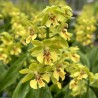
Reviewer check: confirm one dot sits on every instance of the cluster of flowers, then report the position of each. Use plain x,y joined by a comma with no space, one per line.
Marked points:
12,38
51,55
85,26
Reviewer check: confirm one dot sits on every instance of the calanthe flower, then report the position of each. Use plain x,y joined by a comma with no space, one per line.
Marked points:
44,52
55,15
3,56
39,81
6,38
64,34
80,75
77,87
15,50
32,36
75,57
52,21
59,72
73,85
73,54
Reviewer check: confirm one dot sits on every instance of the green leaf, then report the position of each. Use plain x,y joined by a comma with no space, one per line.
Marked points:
63,93
25,91
39,93
2,67
44,93
89,94
21,90
93,59
84,60
12,73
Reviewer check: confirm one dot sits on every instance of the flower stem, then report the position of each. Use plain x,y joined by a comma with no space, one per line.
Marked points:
47,33
88,89
38,93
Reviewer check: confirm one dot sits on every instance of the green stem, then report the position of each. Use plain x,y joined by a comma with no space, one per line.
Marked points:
54,35
47,33
87,95
38,93
80,96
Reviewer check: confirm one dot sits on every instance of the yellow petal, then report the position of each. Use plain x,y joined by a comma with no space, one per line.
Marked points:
56,75
12,52
33,84
46,77
54,56
28,39
96,75
31,37
75,88
66,35
62,73
72,84
76,74
34,36
85,76
41,83
59,85
19,50
48,23
75,57
40,57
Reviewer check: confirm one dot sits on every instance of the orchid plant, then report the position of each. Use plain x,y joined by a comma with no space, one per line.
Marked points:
52,57
41,45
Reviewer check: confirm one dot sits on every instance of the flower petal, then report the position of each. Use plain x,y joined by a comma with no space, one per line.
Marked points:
56,75
85,76
46,77
48,23
25,71
54,56
59,85
41,83
40,57
33,84
28,39
62,73
34,36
